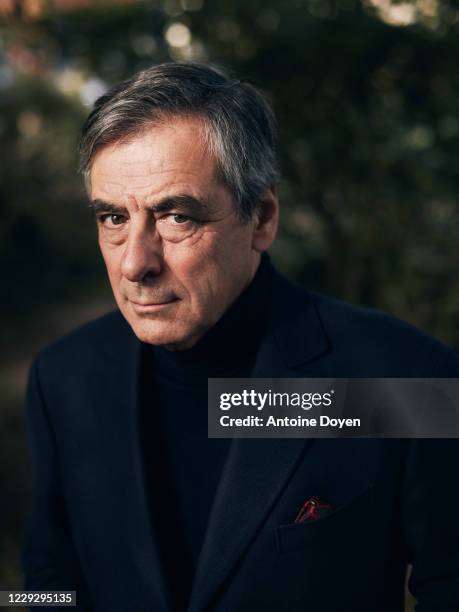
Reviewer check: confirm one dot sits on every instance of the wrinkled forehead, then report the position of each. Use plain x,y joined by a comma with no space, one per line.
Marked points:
164,156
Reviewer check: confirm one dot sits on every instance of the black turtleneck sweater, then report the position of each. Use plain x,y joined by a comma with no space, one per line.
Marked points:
183,465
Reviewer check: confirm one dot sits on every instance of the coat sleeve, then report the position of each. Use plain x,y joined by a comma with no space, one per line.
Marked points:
430,503
49,558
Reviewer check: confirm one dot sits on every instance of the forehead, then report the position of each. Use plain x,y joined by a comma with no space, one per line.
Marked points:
170,155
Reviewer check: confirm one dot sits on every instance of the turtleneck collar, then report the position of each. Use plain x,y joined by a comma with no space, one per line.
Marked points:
229,348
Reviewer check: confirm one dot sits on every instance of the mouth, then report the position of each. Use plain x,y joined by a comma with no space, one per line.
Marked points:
151,307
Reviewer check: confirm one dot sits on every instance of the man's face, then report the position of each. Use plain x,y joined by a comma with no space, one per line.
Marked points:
176,253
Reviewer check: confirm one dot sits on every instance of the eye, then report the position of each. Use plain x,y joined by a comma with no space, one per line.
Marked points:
112,218
175,226
180,218
176,219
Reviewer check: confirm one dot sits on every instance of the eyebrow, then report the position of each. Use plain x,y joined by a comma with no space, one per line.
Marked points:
183,202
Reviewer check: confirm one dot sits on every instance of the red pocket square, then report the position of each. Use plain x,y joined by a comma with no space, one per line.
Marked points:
312,509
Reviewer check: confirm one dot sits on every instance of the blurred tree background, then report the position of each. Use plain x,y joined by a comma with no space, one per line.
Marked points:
366,93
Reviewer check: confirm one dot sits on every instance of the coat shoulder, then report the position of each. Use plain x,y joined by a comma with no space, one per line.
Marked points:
97,338
353,341
365,335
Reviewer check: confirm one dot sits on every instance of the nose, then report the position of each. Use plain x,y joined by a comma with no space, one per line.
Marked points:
142,255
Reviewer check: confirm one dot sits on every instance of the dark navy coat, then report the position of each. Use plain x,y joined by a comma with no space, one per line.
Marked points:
396,501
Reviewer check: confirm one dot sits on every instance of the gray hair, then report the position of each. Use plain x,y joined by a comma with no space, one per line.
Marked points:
239,124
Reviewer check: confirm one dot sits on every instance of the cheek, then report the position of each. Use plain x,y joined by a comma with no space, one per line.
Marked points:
197,270
213,252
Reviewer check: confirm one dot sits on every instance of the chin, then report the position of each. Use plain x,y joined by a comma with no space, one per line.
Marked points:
161,334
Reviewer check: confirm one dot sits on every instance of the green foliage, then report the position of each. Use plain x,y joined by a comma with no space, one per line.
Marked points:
47,241
368,141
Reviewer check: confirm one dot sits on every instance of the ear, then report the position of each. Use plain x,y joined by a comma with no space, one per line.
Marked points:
266,220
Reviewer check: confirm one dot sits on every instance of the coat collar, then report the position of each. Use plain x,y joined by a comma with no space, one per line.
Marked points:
295,334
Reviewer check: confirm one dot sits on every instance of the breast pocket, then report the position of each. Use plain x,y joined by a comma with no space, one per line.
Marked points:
333,528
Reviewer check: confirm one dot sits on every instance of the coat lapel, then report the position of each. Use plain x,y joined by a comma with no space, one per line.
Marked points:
257,470
140,556
254,476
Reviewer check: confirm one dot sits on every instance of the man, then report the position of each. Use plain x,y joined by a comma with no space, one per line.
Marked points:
135,508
